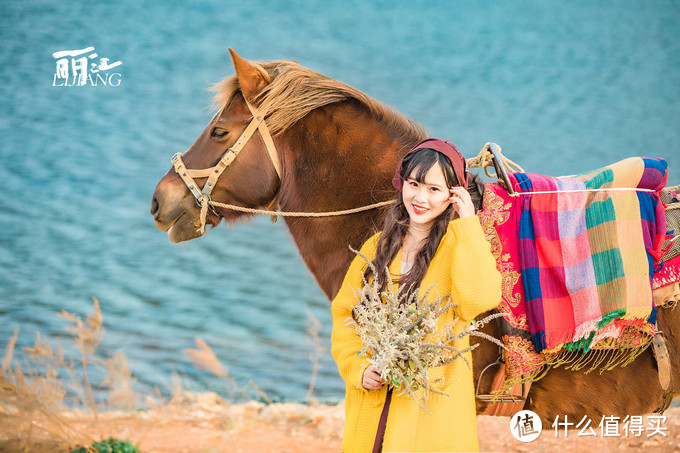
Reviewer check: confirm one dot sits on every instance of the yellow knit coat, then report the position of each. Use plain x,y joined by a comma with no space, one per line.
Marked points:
462,267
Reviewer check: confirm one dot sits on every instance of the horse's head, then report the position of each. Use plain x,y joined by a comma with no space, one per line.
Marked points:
337,147
234,148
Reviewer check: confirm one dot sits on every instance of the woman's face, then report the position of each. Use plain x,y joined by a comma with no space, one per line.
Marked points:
425,201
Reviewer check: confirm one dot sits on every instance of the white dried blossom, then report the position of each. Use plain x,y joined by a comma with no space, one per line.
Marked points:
400,334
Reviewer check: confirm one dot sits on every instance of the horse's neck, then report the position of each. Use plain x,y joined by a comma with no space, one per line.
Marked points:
336,158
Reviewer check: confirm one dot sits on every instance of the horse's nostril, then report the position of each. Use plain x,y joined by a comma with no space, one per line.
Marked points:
154,207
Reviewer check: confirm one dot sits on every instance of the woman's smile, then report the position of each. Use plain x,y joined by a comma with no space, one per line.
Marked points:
419,209
427,199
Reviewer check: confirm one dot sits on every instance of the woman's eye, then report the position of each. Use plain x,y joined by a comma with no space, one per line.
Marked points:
413,183
434,189
219,133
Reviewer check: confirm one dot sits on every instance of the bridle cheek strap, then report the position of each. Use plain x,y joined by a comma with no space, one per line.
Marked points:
213,173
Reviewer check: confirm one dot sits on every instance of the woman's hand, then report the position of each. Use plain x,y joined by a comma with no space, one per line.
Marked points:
461,201
371,379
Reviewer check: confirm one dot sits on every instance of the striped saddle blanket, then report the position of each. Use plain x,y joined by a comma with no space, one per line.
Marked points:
588,246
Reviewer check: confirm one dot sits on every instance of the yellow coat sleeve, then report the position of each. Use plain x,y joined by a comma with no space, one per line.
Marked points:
345,343
475,281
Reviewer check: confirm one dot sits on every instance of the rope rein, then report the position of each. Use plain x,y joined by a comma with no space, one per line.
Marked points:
303,214
204,210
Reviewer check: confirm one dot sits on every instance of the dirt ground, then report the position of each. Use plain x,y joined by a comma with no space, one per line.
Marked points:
203,423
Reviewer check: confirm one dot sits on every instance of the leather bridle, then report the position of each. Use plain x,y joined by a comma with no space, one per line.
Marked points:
213,173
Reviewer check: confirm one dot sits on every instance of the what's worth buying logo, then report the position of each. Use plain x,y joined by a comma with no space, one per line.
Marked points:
526,426
78,68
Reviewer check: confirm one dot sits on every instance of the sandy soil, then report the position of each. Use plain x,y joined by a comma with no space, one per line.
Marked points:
203,423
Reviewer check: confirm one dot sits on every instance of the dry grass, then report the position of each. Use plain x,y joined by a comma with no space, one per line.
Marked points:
205,359
313,329
47,401
34,397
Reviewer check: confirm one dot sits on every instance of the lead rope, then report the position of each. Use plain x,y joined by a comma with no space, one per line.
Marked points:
204,210
204,202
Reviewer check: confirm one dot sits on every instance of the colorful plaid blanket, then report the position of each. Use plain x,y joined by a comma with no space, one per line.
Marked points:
587,257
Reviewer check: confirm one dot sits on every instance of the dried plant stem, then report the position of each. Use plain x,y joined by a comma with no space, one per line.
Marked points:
56,425
260,392
313,328
476,333
312,381
7,361
88,388
482,322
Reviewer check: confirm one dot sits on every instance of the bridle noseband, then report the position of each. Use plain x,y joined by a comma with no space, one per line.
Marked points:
213,173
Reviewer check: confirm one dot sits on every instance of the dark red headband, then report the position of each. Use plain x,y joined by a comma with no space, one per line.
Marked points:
460,167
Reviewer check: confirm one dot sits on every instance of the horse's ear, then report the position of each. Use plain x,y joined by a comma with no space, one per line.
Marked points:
250,78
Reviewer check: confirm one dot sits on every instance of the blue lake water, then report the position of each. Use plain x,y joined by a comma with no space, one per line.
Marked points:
563,87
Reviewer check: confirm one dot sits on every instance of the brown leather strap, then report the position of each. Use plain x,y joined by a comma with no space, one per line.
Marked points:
231,153
664,369
183,173
382,424
271,148
213,173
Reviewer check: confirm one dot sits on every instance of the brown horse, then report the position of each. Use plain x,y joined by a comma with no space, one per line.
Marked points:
338,149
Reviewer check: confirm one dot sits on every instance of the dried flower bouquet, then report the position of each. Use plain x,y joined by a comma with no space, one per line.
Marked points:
400,335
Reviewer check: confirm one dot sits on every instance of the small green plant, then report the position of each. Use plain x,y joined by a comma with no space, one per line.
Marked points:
109,445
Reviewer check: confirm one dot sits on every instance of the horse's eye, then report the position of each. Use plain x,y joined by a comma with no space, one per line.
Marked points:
218,132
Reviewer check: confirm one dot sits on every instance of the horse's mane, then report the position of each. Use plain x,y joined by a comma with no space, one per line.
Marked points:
295,91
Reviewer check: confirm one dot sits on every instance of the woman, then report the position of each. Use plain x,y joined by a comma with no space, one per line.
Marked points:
431,236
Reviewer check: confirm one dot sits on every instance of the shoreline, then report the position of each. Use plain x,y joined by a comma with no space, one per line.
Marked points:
204,423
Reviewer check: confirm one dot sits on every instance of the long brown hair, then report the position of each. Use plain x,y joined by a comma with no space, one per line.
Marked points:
415,165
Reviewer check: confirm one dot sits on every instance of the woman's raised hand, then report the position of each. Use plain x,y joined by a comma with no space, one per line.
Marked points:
461,201
371,379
